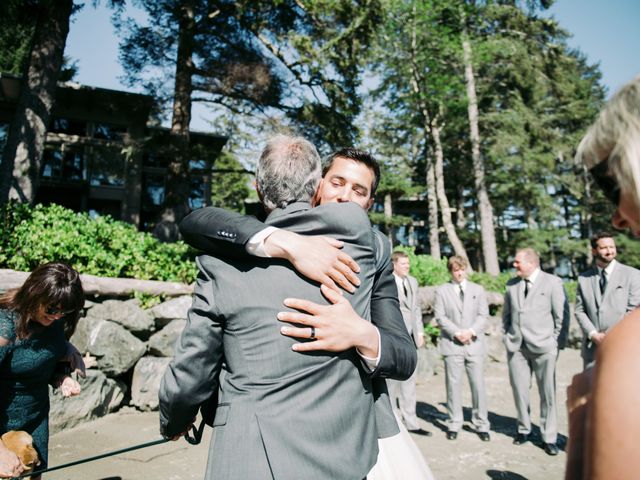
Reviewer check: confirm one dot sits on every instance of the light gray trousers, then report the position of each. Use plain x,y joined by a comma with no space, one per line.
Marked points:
521,365
455,365
403,400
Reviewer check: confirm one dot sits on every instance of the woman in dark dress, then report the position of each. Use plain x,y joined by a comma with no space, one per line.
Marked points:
36,321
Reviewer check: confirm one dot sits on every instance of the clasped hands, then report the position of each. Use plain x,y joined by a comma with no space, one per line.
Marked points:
465,337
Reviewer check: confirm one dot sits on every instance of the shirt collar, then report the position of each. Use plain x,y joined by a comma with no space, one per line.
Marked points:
609,268
534,275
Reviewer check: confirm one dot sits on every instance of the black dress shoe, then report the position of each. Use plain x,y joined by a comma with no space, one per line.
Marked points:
520,439
452,435
419,431
551,449
484,436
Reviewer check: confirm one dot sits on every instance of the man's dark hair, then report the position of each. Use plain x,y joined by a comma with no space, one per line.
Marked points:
359,156
598,236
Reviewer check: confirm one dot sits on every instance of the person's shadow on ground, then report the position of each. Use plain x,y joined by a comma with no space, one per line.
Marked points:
500,424
504,475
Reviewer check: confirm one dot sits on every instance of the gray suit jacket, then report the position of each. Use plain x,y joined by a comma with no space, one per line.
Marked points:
452,316
540,321
411,310
595,312
280,414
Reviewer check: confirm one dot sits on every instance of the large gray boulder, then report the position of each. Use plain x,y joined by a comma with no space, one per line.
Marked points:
146,382
128,314
99,396
116,350
176,308
162,344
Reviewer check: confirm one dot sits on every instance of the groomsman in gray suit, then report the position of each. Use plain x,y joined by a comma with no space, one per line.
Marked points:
606,293
286,410
535,322
403,394
461,312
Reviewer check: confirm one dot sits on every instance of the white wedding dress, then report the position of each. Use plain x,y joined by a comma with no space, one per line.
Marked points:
400,459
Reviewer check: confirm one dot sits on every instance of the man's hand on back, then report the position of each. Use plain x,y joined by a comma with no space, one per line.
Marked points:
316,257
337,327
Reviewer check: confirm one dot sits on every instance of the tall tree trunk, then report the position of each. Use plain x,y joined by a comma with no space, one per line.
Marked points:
388,215
20,167
445,210
177,187
487,228
432,210
417,80
461,217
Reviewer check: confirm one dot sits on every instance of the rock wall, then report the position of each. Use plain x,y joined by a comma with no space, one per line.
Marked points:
132,348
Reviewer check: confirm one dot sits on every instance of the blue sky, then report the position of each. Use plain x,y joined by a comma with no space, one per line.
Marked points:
608,32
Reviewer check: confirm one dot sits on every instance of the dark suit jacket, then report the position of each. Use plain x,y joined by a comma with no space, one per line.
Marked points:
223,233
281,414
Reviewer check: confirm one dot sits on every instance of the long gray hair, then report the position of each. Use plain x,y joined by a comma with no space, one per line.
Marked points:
288,171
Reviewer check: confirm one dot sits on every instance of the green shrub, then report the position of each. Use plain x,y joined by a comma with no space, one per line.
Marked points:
100,246
491,283
571,287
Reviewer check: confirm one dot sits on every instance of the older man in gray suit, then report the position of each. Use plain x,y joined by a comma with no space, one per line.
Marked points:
282,414
535,323
461,312
606,293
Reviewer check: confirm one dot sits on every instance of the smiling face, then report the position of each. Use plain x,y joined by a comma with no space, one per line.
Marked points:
605,251
347,181
524,265
401,267
47,314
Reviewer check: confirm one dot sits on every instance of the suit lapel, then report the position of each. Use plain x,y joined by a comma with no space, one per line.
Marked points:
519,287
612,282
455,292
595,286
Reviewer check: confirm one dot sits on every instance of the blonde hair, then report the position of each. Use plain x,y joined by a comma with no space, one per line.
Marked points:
457,261
615,138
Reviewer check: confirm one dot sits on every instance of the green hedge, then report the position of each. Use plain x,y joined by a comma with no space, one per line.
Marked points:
100,246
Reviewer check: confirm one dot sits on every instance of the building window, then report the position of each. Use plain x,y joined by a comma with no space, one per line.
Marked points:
105,131
68,127
107,167
4,134
63,164
199,172
152,189
100,207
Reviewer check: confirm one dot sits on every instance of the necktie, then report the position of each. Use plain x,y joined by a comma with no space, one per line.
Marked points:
603,281
405,286
461,293
526,288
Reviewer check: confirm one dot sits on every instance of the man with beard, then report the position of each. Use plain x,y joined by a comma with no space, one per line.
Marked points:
606,293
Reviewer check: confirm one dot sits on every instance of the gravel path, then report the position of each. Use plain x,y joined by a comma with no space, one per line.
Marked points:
465,458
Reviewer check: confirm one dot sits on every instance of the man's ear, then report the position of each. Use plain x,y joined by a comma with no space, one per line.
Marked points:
370,203
315,201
